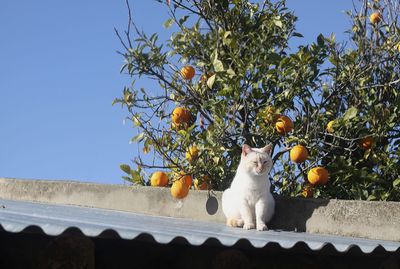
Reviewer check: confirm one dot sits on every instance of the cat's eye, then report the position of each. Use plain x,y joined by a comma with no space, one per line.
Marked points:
265,162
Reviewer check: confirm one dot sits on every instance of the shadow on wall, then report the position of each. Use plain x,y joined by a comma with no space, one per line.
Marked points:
291,214
212,205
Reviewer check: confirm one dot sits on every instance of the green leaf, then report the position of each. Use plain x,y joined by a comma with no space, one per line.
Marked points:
214,55
231,73
183,19
350,113
278,23
210,81
297,34
274,58
168,23
126,168
320,40
182,133
218,66
226,39
136,121
227,34
127,178
138,138
135,175
227,91
396,183
116,100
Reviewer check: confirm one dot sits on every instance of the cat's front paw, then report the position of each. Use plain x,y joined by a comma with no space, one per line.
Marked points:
262,227
248,226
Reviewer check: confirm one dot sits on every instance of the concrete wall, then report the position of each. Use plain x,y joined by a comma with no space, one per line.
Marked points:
375,220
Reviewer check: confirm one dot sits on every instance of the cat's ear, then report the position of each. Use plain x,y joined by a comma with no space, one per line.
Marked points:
267,149
246,149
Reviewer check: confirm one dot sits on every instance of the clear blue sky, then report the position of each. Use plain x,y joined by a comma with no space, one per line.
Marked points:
59,73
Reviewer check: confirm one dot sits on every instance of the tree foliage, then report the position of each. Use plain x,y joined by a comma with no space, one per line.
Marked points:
247,76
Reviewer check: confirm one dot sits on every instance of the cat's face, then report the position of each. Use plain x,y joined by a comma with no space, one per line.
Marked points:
257,161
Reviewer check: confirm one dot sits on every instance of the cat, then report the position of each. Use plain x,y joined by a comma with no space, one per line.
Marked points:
248,203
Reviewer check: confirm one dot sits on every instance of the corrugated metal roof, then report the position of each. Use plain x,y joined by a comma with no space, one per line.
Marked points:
16,216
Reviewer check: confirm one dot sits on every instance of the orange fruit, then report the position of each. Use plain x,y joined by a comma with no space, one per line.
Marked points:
329,127
185,177
179,189
192,153
187,72
318,176
307,191
375,18
299,154
203,186
188,180
159,179
283,125
180,115
367,142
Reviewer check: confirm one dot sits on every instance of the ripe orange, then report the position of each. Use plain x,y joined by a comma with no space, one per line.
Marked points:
367,142
179,189
180,115
299,154
329,127
192,153
203,185
187,72
284,125
375,18
318,176
159,179
185,178
307,191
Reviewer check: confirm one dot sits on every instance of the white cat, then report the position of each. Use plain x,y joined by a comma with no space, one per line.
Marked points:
248,203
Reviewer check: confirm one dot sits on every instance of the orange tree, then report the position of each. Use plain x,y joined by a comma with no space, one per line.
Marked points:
227,77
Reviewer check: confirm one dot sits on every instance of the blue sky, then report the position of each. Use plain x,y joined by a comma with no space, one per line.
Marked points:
59,73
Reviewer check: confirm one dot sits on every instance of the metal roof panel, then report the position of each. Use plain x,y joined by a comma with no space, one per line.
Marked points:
15,216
